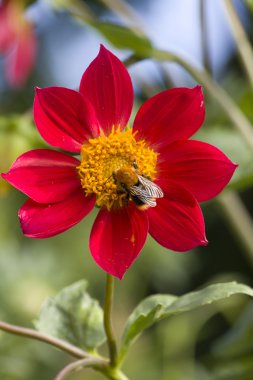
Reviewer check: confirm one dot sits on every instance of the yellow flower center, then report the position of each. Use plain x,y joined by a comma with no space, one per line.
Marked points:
102,156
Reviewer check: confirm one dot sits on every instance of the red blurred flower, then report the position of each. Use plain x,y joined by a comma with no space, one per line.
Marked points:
17,42
64,189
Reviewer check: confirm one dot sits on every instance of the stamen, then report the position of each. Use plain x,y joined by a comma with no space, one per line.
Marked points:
104,155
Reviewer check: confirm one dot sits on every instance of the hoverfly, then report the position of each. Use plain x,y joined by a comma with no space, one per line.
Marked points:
141,190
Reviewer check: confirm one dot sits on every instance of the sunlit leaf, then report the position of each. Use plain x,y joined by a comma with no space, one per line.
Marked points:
72,315
124,38
157,307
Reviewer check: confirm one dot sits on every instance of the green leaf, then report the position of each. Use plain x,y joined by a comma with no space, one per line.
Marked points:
206,296
72,315
124,38
157,307
144,316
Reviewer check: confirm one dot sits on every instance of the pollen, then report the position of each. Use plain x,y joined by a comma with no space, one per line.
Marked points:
103,155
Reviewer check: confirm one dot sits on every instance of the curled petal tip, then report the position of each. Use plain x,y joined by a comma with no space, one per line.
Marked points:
3,175
37,90
233,166
198,91
198,87
104,52
102,48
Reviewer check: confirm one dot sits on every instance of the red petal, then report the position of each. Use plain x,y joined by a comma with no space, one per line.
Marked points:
107,84
177,222
21,59
45,175
43,221
64,118
171,115
199,167
117,238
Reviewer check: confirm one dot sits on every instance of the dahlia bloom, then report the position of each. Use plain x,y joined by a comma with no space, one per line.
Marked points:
93,122
17,42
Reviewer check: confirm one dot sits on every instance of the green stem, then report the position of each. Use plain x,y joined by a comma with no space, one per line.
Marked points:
98,364
80,10
107,320
77,365
204,35
29,333
239,219
242,43
126,13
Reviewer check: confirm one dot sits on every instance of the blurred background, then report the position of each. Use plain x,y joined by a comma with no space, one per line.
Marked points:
50,43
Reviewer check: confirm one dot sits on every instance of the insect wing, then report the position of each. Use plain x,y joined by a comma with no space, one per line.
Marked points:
142,195
150,187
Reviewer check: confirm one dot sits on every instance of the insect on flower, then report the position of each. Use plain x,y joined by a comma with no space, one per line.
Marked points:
140,189
144,178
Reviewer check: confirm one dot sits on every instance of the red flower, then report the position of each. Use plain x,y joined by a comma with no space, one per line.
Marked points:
114,161
17,42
